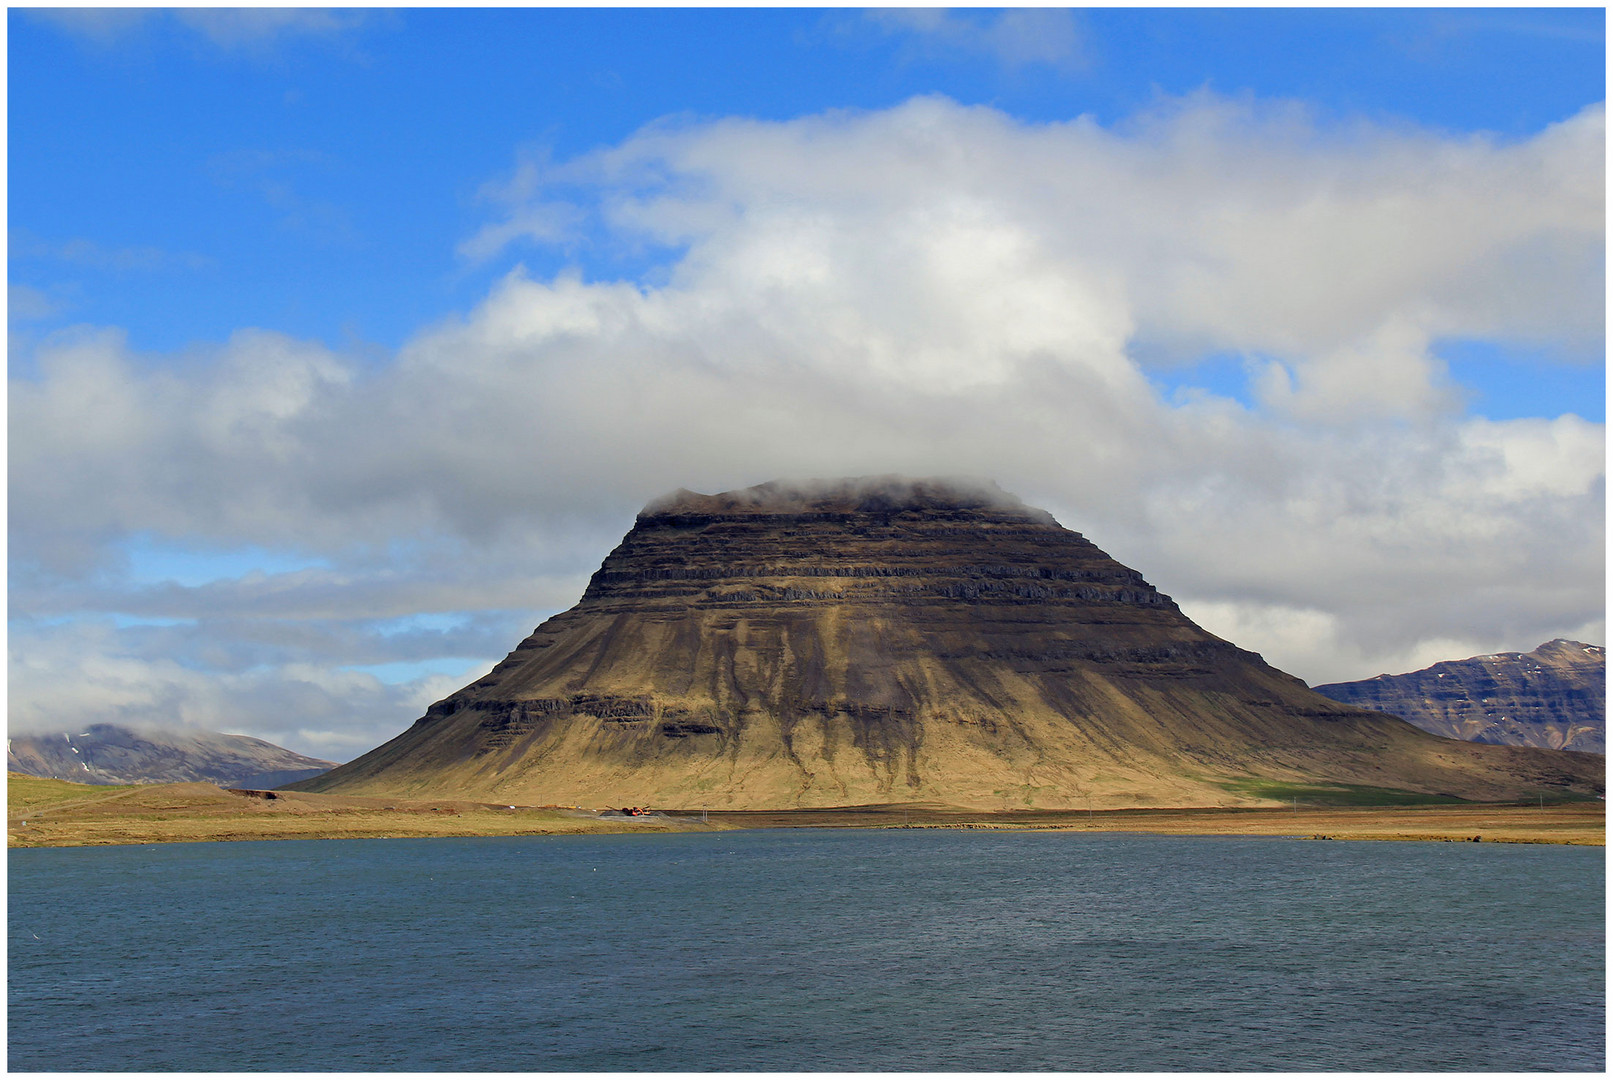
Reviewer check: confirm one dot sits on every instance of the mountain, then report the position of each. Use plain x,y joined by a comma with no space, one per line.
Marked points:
111,754
1554,697
887,640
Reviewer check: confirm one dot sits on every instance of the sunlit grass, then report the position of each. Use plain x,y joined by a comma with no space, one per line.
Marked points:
1322,795
1338,794
30,794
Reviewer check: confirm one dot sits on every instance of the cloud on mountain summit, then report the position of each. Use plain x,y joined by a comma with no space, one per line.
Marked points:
929,289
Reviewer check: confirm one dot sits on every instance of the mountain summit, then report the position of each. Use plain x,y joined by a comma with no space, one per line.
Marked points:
885,640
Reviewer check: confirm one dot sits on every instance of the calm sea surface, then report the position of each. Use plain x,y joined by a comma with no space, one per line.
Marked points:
806,950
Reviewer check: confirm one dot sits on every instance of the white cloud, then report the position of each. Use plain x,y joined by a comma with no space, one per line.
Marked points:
930,289
1391,372
65,676
1317,642
1537,458
291,682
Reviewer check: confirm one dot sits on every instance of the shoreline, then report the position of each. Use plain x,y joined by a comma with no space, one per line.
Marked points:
1571,823
53,813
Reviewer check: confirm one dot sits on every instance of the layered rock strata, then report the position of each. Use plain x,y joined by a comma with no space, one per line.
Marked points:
883,640
1554,697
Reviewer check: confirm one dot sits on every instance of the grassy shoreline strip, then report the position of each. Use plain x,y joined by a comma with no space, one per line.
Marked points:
54,813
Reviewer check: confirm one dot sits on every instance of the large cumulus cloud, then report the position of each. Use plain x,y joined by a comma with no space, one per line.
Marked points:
927,289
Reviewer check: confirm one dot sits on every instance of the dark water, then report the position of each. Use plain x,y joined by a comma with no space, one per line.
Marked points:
805,950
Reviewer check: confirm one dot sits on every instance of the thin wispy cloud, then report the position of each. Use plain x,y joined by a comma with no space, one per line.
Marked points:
1514,23
279,177
82,251
24,302
99,27
241,31
543,223
233,29
1017,38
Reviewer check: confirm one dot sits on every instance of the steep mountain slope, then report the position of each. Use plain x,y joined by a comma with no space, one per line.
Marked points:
885,640
110,754
1554,697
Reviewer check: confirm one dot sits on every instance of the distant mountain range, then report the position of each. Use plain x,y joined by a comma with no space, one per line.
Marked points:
111,754
1554,697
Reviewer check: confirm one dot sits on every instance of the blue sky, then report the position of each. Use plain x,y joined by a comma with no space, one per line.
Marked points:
319,182
280,248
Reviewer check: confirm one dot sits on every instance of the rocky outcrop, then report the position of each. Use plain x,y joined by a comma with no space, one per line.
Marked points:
1554,697
886,640
111,754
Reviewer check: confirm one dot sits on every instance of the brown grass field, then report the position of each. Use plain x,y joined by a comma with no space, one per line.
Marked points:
1571,823
56,813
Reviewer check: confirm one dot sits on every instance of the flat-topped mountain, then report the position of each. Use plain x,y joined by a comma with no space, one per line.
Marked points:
113,754
887,640
1555,697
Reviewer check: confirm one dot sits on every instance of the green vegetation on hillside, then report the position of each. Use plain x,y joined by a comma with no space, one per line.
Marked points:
1337,794
1322,795
32,794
